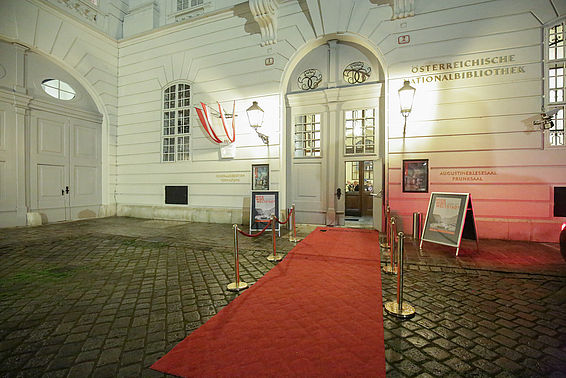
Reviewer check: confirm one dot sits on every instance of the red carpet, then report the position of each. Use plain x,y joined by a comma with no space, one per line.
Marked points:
316,313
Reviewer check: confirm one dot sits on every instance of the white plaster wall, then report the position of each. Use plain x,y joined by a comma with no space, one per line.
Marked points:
477,124
217,55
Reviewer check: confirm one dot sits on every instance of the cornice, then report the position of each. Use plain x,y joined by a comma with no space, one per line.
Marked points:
15,98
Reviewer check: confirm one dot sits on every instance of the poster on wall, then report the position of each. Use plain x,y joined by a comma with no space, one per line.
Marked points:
260,177
263,204
449,217
415,176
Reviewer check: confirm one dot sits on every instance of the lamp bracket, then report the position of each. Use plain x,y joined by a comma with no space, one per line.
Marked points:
264,138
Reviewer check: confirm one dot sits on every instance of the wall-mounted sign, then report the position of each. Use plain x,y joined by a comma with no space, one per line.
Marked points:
480,67
450,217
230,177
403,39
467,175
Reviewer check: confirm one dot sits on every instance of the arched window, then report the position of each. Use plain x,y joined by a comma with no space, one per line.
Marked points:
176,123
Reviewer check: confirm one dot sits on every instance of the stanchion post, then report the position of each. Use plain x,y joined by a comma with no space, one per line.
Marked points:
275,256
400,308
391,268
386,245
293,238
237,285
417,226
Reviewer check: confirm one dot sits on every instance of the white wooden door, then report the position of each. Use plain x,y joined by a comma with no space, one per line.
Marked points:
85,184
49,161
64,167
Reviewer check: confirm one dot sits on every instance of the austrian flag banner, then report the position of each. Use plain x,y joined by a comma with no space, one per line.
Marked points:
206,121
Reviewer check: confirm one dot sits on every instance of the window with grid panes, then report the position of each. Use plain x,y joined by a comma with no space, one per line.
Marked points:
176,122
359,131
186,4
555,64
307,135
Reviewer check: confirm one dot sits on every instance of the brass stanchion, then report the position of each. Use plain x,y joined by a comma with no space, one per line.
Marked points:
386,245
293,238
237,285
417,226
275,256
399,308
391,268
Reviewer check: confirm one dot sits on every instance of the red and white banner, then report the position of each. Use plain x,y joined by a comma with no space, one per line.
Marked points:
207,123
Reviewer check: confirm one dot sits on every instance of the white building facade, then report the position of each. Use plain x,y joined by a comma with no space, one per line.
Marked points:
98,98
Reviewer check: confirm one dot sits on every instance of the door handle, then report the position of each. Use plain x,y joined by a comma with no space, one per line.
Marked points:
62,192
67,189
378,194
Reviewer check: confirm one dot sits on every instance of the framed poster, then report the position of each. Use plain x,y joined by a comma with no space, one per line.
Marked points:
263,204
445,219
415,176
260,177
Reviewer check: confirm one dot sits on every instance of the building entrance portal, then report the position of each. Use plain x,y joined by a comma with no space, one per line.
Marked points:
335,134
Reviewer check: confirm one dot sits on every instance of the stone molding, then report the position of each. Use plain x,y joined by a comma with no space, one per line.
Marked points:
403,8
265,14
81,8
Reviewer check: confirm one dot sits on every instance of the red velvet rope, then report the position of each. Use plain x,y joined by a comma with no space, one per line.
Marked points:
288,217
255,235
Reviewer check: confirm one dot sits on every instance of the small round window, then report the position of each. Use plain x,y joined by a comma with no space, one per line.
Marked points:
58,89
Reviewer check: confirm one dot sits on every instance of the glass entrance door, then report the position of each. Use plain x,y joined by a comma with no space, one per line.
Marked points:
358,188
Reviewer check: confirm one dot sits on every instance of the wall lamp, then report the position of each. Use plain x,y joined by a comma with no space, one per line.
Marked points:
255,117
406,96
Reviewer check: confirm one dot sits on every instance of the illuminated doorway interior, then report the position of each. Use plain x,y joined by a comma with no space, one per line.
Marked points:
358,188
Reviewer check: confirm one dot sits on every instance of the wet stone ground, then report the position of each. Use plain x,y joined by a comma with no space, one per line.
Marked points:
477,324
108,297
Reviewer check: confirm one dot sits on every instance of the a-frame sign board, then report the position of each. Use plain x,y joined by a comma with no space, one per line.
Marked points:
450,217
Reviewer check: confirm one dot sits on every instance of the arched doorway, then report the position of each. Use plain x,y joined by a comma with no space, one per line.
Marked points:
334,121
60,129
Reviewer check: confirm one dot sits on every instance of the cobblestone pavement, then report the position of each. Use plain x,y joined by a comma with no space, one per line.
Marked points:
108,297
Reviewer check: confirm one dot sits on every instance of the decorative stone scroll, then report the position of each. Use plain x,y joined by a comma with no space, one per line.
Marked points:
265,14
403,8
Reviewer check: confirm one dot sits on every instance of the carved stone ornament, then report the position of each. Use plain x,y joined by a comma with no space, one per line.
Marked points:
265,14
356,72
309,79
81,8
403,8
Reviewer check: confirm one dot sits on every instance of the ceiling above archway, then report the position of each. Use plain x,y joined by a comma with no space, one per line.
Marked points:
323,19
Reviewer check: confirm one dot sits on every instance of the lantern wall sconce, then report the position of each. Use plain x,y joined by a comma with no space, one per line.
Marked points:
255,117
406,96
